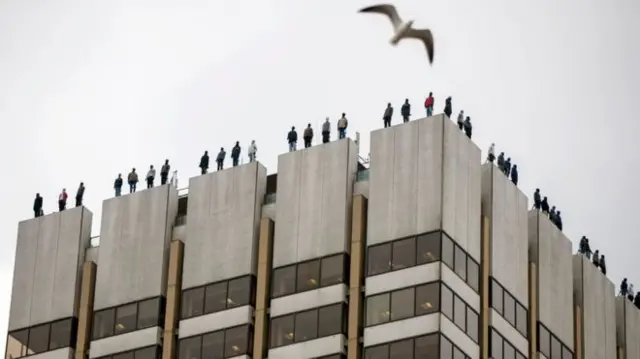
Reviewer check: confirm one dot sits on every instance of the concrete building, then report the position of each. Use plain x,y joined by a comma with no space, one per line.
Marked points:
423,252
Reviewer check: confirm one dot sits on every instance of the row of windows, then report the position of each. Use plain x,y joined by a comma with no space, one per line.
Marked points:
550,345
144,353
428,346
128,317
310,324
462,315
500,348
333,356
42,338
217,296
313,274
509,308
423,249
226,343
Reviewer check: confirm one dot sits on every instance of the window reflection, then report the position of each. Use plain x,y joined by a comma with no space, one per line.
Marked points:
379,259
284,281
460,263
215,297
377,309
307,325
403,253
402,304
332,270
126,318
39,339
428,248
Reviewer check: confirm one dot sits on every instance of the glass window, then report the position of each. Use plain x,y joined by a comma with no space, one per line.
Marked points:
459,312
458,354
306,326
236,341
332,270
402,304
509,309
377,352
378,309
473,274
428,248
61,334
126,318
17,343
566,354
497,297
403,253
281,331
38,339
149,313
379,259
330,320
496,345
308,275
509,351
521,319
239,292
401,350
447,251
520,356
146,353
215,297
544,341
446,348
284,281
460,263
427,298
213,345
446,301
189,348
125,355
556,348
472,324
103,322
426,346
192,302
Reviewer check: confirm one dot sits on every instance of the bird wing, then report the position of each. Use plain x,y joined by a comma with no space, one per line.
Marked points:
426,37
388,10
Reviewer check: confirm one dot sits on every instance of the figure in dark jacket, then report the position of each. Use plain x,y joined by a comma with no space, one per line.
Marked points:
204,162
132,179
37,206
559,221
164,172
603,265
467,126
507,167
386,117
292,139
117,185
544,205
235,153
80,194
514,174
307,136
405,111
536,199
448,107
220,158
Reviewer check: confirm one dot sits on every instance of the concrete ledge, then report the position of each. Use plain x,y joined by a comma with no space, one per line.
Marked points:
215,321
310,349
459,338
62,353
402,278
407,328
308,300
509,333
460,287
124,342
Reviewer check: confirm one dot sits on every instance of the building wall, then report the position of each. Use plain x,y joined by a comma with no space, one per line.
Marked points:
628,328
134,239
50,252
223,219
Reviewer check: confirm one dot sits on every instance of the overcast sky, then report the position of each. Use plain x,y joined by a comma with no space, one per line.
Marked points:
89,89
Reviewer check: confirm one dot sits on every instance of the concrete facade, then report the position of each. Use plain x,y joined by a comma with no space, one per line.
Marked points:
50,251
223,220
506,207
425,175
628,328
314,196
134,239
551,251
595,295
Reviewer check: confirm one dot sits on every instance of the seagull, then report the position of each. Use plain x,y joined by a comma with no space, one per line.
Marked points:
403,30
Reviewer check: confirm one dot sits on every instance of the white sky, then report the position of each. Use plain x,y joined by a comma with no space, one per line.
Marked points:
89,89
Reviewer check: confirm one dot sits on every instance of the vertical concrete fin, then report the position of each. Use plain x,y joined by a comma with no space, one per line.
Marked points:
174,286
356,275
484,285
85,312
533,310
265,250
577,329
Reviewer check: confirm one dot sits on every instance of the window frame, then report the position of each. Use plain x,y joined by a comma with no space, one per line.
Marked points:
202,289
114,310
390,293
416,259
503,344
387,345
133,352
465,308
73,330
295,266
343,313
504,294
200,337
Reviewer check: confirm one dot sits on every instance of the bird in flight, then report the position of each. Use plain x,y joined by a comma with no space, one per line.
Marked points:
403,30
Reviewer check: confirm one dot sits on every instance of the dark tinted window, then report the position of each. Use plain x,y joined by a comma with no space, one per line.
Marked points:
236,341
61,334
148,313
332,270
496,297
146,353
281,331
39,339
190,348
126,355
544,341
284,281
520,356
213,345
473,274
428,248
239,292
308,275
460,262
521,319
446,301
377,309
192,304
379,259
472,324
556,348
403,253
447,251
496,345
126,318
426,347
402,304
509,309
103,323
459,312
306,326
377,352
427,298
401,350
17,342
215,297
330,320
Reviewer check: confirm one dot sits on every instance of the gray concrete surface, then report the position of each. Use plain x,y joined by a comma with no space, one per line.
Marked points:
424,175
628,328
125,342
223,220
506,206
551,250
314,197
50,251
135,236
595,294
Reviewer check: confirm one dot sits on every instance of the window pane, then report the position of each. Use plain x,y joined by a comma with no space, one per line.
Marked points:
284,281
127,355
378,309
379,259
17,344
496,345
239,292
213,345
556,348
403,253
189,348
306,326
544,341
509,351
192,302
103,322
458,354
446,301
473,274
496,297
427,298
61,334
426,347
566,354
401,350
428,247
330,320
146,353
460,263
308,275
459,312
215,297
446,348
38,339
236,341
521,319
149,313
126,318
281,331
509,309
377,352
447,251
402,304
472,324
520,356
332,270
